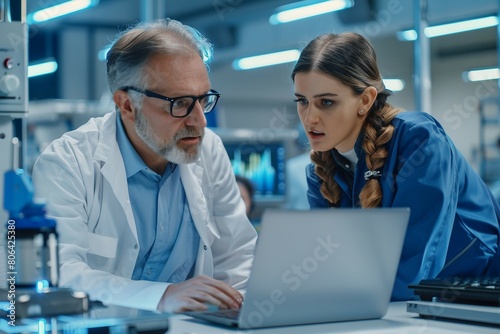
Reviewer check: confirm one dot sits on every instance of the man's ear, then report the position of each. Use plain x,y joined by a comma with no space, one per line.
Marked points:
368,97
124,103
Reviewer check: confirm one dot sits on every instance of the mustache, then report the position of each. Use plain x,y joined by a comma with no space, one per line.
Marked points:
189,131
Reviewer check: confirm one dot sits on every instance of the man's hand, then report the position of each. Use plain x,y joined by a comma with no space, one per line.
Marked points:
195,293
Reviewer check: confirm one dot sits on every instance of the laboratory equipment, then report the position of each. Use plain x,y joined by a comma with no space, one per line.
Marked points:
32,253
29,247
13,83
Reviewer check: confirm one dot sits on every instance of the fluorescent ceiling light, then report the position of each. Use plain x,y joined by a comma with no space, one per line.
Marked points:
394,85
450,28
269,59
61,9
42,68
481,75
302,9
407,35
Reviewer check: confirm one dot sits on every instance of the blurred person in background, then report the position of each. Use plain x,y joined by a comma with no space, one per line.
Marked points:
247,191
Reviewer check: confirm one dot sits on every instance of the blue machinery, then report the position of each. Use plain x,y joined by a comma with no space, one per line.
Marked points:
31,245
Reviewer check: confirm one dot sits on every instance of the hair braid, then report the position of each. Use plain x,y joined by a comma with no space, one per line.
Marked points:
325,169
377,132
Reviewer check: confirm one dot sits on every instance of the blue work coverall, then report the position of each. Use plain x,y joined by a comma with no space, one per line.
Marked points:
454,221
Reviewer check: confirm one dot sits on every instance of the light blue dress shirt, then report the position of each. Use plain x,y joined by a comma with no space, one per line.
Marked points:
168,239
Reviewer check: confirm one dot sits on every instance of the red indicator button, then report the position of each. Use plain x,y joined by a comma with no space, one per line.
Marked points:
8,63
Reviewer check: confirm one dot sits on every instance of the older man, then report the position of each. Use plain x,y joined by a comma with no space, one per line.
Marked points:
148,210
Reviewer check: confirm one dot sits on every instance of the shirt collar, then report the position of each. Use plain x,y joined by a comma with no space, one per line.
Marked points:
351,156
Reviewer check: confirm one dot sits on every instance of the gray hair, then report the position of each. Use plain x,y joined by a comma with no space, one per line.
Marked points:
133,48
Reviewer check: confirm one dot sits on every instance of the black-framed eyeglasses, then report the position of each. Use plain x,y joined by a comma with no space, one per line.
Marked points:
182,106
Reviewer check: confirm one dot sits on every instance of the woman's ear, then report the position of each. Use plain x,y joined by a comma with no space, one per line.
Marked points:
368,97
123,102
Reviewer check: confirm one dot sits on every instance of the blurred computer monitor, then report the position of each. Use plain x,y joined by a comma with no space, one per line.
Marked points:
261,157
264,165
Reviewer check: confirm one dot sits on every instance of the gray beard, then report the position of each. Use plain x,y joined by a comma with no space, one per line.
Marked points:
170,151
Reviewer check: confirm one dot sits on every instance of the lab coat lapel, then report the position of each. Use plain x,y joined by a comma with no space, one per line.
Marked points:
191,176
113,168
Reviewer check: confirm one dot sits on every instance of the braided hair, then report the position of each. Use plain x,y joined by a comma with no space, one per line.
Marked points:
351,59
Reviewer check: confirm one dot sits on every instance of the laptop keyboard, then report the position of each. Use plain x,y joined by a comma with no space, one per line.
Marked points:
479,291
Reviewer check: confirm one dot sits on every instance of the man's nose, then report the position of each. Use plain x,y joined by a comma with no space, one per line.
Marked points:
197,116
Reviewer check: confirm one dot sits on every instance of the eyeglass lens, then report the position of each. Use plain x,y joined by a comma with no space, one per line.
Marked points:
182,106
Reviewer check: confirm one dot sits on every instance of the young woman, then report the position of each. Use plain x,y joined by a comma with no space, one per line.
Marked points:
367,153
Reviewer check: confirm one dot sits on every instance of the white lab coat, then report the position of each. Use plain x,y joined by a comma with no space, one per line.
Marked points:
82,178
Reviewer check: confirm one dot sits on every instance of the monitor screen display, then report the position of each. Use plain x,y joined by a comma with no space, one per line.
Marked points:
263,164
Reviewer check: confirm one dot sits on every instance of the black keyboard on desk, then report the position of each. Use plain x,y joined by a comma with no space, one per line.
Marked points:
479,291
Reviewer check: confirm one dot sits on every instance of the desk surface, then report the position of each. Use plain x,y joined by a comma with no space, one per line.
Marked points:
397,320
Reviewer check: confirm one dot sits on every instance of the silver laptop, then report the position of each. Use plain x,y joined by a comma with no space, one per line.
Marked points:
455,311
321,265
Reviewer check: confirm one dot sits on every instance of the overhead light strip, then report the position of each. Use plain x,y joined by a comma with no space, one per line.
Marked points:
394,85
58,10
269,59
46,67
482,74
450,28
303,9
